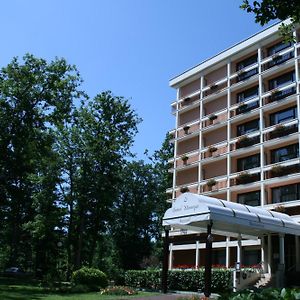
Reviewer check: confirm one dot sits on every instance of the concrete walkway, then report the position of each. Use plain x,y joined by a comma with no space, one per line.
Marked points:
164,297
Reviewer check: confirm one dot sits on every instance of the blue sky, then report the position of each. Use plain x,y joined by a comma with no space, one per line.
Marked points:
131,47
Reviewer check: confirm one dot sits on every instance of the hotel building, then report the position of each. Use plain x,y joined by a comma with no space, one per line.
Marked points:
237,138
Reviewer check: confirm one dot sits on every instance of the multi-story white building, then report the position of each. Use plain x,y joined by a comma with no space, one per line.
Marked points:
237,139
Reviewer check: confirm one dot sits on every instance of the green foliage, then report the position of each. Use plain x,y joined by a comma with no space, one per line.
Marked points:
265,294
90,277
119,291
182,280
268,10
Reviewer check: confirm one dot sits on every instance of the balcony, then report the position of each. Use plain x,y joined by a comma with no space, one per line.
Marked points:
243,75
213,185
244,108
245,141
278,59
281,130
279,170
279,95
245,177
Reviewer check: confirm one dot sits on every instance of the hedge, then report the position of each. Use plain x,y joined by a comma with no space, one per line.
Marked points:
182,280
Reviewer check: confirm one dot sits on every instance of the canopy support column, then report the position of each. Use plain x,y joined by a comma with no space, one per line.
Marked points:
297,246
239,253
197,255
171,256
281,266
269,254
164,281
208,263
263,254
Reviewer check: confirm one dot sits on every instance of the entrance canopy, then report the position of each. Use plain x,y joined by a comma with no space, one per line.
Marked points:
194,212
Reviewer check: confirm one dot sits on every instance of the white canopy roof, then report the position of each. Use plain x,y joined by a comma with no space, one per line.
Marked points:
194,212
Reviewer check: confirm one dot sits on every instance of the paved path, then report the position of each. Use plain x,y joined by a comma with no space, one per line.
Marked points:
164,297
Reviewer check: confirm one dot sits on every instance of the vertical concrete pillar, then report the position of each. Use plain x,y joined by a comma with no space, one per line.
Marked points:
263,254
269,254
281,250
171,256
227,252
239,251
297,248
197,255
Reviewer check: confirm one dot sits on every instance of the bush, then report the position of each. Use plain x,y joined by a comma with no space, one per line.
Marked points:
93,278
183,280
119,291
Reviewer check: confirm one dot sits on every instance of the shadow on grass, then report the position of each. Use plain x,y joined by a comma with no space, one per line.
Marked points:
12,292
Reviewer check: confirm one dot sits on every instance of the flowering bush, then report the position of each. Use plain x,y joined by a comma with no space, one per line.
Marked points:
119,291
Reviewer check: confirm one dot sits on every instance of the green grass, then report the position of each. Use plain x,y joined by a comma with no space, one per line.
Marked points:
30,291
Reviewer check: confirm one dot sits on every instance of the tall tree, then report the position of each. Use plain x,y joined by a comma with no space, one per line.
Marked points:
35,96
268,10
94,148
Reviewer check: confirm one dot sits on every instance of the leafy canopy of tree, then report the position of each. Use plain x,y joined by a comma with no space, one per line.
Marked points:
69,196
268,10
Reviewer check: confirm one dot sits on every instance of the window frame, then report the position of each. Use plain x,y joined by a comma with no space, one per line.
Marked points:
294,147
272,117
284,193
246,202
240,161
243,132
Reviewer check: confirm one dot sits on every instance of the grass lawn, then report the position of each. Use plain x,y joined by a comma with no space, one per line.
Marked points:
10,291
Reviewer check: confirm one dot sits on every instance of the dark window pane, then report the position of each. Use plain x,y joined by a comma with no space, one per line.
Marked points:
252,198
247,127
247,94
285,153
278,47
282,80
249,162
283,115
246,62
285,193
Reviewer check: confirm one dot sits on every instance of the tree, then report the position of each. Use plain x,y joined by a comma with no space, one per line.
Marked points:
268,10
35,97
93,147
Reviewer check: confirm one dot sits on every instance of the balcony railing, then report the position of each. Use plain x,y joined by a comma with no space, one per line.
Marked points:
281,130
243,107
245,177
278,171
246,141
279,95
280,59
243,75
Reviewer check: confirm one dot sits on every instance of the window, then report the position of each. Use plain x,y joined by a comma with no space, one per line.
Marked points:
252,198
285,193
278,47
247,94
247,127
251,257
249,162
281,80
284,153
283,115
246,62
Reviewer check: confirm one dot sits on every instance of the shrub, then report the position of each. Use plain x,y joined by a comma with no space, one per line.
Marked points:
211,182
184,280
93,278
119,291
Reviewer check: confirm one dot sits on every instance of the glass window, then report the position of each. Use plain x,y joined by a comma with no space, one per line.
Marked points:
285,193
246,62
252,198
281,80
247,127
283,115
278,47
284,153
251,257
247,94
249,162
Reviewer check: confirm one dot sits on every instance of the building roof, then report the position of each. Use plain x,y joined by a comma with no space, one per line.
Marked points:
177,80
194,212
